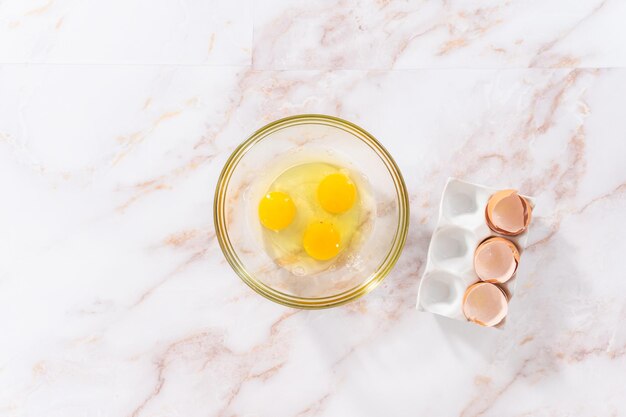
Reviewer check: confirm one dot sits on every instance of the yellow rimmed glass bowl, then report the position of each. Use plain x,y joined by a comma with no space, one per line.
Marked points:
309,138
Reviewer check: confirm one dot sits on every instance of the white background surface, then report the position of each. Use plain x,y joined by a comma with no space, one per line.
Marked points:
115,120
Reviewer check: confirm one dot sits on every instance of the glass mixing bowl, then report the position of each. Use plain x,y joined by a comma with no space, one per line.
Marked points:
261,158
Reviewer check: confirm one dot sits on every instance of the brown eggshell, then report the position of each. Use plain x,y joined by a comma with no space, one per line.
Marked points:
508,213
485,304
496,260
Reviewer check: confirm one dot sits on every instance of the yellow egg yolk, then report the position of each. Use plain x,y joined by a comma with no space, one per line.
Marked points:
336,193
276,210
321,241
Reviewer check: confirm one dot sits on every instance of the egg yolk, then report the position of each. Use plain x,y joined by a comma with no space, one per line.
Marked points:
276,210
321,241
336,193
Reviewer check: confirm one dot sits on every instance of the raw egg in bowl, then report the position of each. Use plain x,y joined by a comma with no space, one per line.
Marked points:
311,211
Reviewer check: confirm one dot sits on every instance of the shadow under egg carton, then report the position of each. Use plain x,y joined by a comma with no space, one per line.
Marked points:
461,227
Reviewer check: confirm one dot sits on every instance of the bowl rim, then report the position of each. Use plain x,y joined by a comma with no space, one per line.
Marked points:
219,216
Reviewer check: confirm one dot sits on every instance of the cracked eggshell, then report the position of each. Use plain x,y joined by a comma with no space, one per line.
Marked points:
508,213
485,304
496,260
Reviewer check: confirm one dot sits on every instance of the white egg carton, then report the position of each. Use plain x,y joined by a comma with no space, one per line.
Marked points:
450,261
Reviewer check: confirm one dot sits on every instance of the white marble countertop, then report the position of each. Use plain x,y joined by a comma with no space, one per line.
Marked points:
117,116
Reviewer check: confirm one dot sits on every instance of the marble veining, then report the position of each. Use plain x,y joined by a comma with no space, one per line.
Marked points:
116,118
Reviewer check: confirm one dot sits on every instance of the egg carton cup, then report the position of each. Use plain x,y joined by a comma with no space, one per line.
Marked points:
461,227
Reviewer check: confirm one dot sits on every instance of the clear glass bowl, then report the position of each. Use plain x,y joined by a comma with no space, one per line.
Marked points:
259,158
